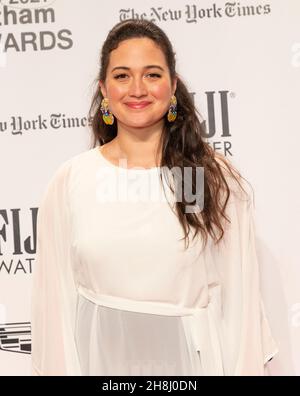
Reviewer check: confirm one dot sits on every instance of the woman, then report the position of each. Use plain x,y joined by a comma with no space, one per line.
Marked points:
119,286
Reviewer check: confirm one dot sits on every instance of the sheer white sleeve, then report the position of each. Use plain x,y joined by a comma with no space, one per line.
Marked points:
247,340
54,294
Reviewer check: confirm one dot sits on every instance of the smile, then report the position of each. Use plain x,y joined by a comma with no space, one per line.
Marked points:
137,106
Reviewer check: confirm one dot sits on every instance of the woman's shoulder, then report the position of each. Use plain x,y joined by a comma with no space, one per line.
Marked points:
64,169
60,178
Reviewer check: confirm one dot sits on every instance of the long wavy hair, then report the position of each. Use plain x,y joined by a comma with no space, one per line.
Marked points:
182,142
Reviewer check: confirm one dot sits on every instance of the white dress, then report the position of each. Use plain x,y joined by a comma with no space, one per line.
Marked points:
115,292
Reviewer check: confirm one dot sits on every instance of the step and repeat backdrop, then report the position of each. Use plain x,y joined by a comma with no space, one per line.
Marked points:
240,61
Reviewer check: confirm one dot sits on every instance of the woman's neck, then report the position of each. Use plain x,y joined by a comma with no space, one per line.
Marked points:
143,152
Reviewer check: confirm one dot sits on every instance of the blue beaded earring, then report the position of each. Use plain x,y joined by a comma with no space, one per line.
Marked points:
172,114
107,116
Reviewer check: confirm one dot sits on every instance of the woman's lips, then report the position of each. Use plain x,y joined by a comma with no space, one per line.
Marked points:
139,105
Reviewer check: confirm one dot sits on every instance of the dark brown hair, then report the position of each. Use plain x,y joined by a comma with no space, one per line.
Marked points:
182,142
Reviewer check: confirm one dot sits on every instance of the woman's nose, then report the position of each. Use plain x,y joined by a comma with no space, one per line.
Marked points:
137,87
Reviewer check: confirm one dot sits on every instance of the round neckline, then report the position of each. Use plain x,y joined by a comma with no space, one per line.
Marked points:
137,169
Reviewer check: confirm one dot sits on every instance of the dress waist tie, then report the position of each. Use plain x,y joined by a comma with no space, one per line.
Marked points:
203,322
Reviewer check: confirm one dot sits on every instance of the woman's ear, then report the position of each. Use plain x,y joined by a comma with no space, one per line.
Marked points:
102,87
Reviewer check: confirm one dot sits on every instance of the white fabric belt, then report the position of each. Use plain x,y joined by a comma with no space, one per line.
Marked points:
204,322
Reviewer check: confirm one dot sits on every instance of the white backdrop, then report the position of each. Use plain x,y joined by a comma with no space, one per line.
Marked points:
246,52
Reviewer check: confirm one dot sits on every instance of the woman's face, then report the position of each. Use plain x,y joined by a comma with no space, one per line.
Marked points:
138,72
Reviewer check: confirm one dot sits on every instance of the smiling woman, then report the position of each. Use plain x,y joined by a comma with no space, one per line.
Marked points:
137,78
119,287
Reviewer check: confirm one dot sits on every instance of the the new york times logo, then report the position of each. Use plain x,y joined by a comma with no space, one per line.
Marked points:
16,246
56,121
194,13
28,14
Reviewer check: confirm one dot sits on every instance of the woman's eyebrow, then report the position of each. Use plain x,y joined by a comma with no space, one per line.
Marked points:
145,67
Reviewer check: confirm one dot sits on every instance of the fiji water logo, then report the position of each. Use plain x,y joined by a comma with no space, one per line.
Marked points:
216,126
17,243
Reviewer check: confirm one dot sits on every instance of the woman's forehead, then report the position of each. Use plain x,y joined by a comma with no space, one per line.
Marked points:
139,52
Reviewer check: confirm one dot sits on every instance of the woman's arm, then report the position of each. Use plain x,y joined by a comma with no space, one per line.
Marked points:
54,295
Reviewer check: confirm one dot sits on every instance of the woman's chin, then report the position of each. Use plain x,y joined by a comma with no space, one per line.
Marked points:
139,122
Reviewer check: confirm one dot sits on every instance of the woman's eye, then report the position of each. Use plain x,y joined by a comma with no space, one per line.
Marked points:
123,75
154,74
120,75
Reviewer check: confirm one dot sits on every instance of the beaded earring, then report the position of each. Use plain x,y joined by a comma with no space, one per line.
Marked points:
107,116
172,114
